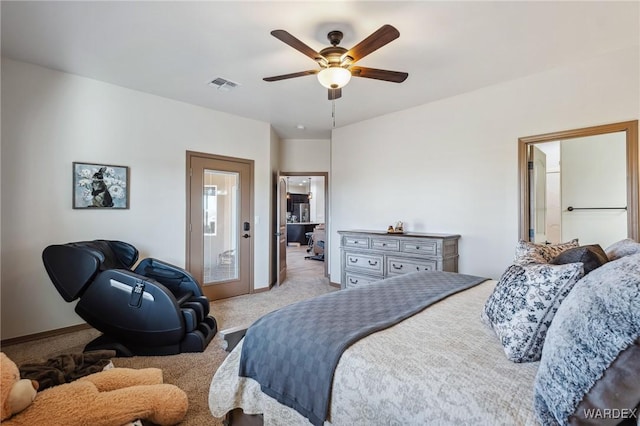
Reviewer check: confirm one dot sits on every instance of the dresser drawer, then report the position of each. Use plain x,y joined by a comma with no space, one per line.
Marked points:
371,263
354,280
424,247
397,265
352,241
385,244
368,256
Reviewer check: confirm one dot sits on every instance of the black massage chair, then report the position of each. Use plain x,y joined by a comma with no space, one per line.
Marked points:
155,309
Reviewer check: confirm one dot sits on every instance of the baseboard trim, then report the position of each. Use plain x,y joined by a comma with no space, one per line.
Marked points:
332,284
261,290
44,334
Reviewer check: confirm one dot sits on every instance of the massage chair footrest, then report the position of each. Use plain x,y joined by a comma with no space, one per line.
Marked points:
125,349
194,341
197,340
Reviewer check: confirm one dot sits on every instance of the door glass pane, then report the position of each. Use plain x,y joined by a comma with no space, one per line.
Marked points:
220,227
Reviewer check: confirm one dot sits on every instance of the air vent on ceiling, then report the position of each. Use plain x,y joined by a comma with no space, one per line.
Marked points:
223,84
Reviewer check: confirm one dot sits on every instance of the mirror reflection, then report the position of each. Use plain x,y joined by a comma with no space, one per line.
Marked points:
580,184
578,189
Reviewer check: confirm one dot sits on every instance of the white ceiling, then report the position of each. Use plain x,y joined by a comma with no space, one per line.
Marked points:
172,49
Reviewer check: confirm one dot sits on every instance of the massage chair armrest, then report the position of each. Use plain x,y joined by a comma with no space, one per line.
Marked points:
175,278
119,300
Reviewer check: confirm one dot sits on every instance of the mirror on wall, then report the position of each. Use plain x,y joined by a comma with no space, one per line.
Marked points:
580,183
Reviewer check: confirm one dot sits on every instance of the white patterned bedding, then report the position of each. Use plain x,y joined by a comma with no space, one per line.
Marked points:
441,366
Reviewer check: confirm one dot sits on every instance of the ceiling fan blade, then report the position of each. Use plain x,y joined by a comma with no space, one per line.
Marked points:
375,41
393,76
292,75
335,94
287,38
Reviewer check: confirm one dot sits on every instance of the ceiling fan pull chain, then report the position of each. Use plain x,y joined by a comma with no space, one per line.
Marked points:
333,112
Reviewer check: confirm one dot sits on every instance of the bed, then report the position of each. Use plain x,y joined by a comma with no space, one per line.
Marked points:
556,340
441,366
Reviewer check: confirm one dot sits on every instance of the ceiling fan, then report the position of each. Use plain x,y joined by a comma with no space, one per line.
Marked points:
336,63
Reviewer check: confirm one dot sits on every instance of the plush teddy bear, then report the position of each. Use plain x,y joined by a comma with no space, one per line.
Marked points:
112,397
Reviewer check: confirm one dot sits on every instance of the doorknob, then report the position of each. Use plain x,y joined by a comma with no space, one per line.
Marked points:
246,236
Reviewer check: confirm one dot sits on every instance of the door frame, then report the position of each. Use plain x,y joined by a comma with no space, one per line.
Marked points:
327,244
188,227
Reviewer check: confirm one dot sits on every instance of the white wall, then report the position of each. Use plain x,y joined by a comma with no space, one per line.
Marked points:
317,202
51,119
454,166
300,155
594,174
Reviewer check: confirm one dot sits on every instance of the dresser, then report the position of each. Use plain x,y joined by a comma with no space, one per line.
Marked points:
369,256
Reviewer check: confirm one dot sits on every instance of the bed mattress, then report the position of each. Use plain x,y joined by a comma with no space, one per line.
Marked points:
441,366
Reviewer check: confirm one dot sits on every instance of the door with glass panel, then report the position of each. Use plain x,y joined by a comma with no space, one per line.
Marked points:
220,230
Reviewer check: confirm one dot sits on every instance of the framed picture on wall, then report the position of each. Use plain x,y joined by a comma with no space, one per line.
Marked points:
100,186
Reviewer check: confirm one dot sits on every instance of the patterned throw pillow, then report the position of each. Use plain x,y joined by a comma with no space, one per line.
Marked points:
622,248
528,252
522,305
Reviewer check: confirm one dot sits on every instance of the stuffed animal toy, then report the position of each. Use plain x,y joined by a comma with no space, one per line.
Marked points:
112,397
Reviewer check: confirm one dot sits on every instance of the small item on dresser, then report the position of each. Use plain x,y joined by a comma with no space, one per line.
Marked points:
398,229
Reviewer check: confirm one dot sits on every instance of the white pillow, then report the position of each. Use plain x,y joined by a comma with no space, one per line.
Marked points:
622,248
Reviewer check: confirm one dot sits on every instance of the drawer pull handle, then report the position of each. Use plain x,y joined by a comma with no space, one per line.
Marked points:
418,268
352,281
417,247
355,242
373,263
396,266
352,260
384,244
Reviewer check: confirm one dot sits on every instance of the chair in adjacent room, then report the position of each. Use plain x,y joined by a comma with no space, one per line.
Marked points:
316,243
155,309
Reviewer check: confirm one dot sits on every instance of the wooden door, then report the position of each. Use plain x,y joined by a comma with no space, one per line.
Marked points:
281,235
220,229
538,202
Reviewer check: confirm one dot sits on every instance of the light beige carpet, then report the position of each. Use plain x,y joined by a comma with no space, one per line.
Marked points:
193,372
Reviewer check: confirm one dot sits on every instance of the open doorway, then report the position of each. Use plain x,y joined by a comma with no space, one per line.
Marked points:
305,221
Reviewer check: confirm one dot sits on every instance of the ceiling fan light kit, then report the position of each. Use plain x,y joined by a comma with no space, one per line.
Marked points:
334,77
336,62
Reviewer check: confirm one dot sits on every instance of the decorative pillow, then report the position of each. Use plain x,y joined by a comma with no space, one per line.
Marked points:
528,252
591,358
522,305
622,248
591,256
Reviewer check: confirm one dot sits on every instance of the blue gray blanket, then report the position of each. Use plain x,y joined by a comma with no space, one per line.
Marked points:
293,352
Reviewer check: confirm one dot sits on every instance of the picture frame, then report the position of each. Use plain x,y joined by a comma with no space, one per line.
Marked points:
100,186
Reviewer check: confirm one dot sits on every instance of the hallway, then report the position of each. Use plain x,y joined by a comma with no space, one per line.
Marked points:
299,268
